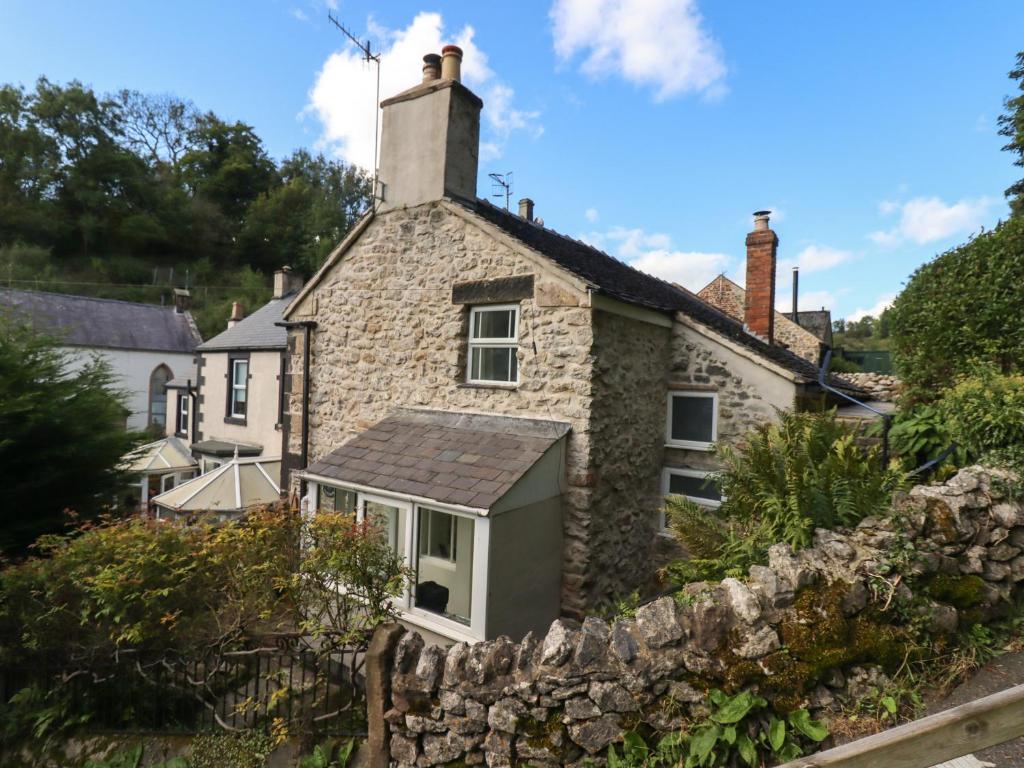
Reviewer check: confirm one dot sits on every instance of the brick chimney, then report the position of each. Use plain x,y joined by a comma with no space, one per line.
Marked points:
759,306
430,136
526,208
286,282
182,300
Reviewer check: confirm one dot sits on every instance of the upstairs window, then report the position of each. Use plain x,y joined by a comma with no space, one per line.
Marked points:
692,420
158,396
238,394
182,424
493,343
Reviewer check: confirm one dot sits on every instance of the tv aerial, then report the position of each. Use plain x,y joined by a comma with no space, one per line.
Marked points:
501,186
368,56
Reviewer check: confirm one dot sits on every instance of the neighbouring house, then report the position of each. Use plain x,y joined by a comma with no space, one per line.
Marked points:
509,403
233,406
807,334
157,467
224,493
146,345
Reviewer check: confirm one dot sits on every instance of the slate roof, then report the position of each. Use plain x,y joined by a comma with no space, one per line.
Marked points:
85,321
611,277
455,458
257,331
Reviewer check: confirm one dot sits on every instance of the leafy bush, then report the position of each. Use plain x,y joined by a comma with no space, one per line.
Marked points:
918,435
985,412
961,307
788,478
217,750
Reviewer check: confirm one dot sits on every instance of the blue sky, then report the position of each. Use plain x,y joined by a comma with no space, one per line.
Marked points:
652,128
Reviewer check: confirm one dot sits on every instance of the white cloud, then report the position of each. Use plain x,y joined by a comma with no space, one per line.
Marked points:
927,219
884,302
658,43
591,215
813,258
652,252
344,95
300,14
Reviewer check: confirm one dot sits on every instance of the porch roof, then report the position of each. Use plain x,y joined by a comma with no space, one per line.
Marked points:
467,459
159,457
237,485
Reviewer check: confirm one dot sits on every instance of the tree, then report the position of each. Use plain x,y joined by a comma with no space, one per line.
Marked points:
960,310
1011,125
158,128
61,436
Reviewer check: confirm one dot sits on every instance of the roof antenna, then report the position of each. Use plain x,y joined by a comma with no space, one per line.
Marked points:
368,56
501,186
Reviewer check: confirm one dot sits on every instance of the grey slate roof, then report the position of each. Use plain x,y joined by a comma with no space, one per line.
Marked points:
226,448
89,322
257,331
455,458
613,278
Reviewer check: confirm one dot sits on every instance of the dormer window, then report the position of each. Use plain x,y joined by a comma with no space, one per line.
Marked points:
493,343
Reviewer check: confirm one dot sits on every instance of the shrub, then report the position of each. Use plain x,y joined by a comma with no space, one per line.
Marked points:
918,435
804,472
985,412
963,305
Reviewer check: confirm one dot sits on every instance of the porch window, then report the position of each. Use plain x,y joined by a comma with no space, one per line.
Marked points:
444,568
182,423
337,500
493,342
692,420
238,394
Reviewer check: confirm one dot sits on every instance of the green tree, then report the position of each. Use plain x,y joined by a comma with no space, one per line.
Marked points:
1011,125
961,309
61,436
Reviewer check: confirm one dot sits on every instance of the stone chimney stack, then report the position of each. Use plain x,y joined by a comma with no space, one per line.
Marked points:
182,300
430,137
526,209
236,314
759,307
286,282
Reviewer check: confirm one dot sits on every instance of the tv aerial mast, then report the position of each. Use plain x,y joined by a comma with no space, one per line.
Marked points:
502,186
368,56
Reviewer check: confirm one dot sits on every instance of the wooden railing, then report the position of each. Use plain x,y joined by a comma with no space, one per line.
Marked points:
924,743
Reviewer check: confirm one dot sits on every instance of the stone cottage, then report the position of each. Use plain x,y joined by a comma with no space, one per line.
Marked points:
510,403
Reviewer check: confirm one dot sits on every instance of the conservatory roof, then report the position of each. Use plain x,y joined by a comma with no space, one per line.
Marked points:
160,457
239,484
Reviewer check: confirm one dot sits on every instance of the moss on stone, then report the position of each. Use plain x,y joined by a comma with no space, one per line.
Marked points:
962,592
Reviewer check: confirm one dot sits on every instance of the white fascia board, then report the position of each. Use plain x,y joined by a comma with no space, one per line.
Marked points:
434,503
633,312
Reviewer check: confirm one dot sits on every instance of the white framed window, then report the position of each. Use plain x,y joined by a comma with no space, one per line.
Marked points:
493,344
210,464
691,420
697,485
182,413
167,482
446,550
239,393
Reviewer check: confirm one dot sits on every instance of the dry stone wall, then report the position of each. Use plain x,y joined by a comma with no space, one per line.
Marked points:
881,386
952,552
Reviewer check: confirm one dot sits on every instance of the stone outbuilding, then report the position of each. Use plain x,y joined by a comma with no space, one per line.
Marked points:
510,403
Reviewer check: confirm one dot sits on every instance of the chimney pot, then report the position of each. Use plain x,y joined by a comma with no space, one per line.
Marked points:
431,67
761,220
285,282
451,63
526,209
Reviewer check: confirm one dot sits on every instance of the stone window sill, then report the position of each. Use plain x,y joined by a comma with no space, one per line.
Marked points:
234,420
693,447
475,385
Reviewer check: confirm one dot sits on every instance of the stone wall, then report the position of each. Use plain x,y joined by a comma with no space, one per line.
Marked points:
882,386
809,629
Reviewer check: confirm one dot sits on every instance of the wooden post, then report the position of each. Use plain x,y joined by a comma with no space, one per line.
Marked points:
380,657
923,743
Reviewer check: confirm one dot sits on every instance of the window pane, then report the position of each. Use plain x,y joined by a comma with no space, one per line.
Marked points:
692,418
495,324
494,364
698,487
337,500
444,583
391,521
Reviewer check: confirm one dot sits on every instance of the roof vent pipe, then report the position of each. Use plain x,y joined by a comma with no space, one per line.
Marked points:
526,209
451,63
796,292
431,67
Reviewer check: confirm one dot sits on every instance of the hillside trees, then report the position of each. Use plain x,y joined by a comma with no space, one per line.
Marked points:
1011,125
